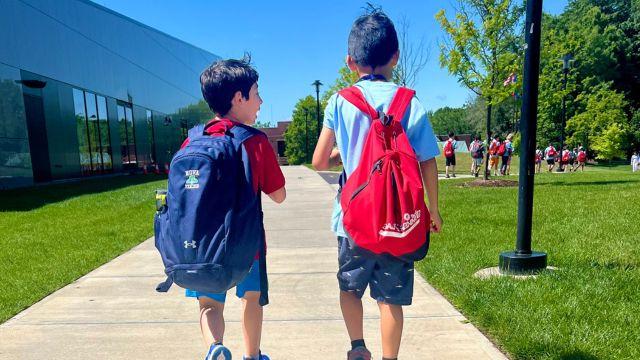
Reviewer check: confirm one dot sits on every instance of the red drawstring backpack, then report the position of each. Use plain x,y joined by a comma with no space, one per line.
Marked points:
448,149
383,199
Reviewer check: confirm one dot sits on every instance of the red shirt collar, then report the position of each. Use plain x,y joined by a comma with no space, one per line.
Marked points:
220,126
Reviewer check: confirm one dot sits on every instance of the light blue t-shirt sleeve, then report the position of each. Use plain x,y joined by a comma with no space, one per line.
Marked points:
330,113
420,133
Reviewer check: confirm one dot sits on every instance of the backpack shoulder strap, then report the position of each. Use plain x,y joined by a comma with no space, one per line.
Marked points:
400,103
242,132
196,131
356,98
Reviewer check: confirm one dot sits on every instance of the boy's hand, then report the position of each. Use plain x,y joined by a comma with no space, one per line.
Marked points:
436,222
334,158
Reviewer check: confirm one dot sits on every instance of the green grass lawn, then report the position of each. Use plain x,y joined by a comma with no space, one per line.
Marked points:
463,164
589,224
52,235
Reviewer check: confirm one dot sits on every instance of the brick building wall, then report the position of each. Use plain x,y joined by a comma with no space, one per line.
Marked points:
276,139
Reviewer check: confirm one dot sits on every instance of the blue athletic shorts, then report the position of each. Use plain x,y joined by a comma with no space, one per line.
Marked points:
250,283
390,280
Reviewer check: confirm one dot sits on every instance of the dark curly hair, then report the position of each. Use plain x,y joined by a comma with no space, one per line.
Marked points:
220,82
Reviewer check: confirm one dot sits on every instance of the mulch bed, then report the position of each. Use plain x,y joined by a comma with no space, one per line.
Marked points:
489,183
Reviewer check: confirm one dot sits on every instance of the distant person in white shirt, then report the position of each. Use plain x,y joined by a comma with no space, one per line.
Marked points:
635,161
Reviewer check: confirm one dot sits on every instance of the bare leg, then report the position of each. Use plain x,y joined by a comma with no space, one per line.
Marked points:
391,323
352,313
211,320
252,314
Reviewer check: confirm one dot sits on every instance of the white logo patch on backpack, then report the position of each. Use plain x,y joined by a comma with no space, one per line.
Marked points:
192,179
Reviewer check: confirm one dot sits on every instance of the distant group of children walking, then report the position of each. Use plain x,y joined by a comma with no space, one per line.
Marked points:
567,160
210,232
500,154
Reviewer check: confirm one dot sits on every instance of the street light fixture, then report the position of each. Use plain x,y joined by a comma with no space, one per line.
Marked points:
317,84
566,65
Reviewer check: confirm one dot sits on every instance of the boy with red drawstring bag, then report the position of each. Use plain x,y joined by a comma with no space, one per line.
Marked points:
388,149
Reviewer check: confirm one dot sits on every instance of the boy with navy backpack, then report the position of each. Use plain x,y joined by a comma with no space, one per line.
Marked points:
211,237
388,150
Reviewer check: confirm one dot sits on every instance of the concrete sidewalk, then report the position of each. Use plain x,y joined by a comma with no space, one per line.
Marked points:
114,312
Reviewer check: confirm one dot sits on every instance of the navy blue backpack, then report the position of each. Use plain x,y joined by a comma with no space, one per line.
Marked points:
211,228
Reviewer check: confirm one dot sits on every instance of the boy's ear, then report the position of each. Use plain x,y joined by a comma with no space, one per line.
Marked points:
237,98
395,58
351,64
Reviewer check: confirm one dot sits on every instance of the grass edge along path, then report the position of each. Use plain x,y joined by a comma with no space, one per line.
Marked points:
54,234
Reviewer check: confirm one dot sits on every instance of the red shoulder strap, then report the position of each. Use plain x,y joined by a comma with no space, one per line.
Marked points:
397,108
400,103
356,98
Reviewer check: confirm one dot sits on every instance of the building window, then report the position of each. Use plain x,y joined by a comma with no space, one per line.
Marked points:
105,135
81,132
127,136
151,137
93,133
92,129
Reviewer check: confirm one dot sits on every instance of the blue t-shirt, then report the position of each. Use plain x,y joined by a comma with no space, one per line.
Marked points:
351,127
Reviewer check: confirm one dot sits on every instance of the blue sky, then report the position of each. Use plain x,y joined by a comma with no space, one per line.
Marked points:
293,43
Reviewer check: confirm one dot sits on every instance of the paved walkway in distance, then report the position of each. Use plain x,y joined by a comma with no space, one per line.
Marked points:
114,312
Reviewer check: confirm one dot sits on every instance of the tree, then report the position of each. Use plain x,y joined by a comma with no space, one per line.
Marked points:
504,116
345,78
482,50
261,125
198,113
604,38
414,56
602,124
448,119
300,136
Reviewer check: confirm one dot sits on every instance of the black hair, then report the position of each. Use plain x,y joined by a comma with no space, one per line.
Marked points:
220,82
477,137
451,134
373,39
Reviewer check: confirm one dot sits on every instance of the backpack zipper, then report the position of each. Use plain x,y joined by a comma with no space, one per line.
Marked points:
376,166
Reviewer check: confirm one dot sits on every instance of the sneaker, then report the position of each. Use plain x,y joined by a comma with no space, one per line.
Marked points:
359,353
447,176
454,175
218,352
261,357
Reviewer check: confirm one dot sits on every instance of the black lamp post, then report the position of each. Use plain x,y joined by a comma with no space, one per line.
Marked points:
317,84
306,132
566,64
523,260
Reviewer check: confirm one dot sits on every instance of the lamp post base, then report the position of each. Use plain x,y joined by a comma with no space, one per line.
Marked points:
514,263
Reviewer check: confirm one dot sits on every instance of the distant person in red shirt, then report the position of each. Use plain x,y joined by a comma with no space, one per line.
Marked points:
230,87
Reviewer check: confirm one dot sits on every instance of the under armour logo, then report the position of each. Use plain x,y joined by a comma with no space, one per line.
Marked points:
190,244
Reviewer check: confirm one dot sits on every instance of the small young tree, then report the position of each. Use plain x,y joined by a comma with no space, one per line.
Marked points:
482,49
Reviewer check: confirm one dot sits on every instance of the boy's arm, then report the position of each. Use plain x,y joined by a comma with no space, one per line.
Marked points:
267,175
429,171
325,156
279,195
